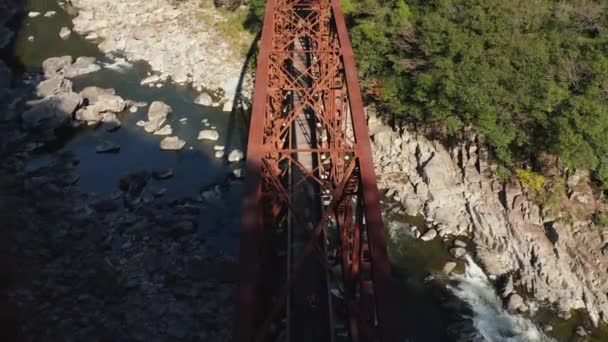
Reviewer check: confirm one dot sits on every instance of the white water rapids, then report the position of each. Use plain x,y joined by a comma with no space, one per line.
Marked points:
489,317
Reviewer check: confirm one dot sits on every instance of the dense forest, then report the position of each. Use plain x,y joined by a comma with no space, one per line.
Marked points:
530,77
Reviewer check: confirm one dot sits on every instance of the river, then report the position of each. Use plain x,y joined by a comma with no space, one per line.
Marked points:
431,305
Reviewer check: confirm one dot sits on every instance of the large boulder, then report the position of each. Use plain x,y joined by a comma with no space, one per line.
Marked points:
88,114
208,134
93,93
82,66
429,235
157,115
458,252
52,111
158,109
52,86
165,130
110,103
54,65
204,99
516,303
65,33
236,156
154,125
172,143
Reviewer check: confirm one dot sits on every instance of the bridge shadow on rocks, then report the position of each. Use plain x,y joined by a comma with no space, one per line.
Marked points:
126,264
241,110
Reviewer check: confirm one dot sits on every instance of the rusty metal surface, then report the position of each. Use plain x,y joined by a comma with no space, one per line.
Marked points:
312,225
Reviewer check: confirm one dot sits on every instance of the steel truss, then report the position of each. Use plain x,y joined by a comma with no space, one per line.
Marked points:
310,173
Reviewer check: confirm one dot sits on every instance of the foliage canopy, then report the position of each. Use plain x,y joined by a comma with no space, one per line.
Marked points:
529,76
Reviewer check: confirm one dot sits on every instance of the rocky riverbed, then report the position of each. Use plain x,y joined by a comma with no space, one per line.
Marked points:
528,252
181,41
129,254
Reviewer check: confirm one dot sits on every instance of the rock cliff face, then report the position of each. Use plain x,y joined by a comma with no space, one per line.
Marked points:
457,193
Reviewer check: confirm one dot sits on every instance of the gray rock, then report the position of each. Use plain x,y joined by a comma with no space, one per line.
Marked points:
459,243
65,33
53,111
54,65
172,143
93,93
516,303
181,76
227,106
219,154
154,125
111,122
158,109
238,173
458,252
415,232
150,80
165,130
52,86
82,66
580,331
33,14
236,156
107,147
449,267
50,14
429,235
88,114
204,99
67,102
110,103
208,134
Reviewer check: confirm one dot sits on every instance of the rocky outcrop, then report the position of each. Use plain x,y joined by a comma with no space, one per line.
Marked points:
178,41
457,193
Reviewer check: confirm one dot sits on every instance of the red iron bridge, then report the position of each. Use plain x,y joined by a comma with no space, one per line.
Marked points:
313,260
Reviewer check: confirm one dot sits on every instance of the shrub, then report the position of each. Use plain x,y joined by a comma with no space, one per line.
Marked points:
600,219
530,179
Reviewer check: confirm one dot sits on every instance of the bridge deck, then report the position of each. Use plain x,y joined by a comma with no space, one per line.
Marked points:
311,188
